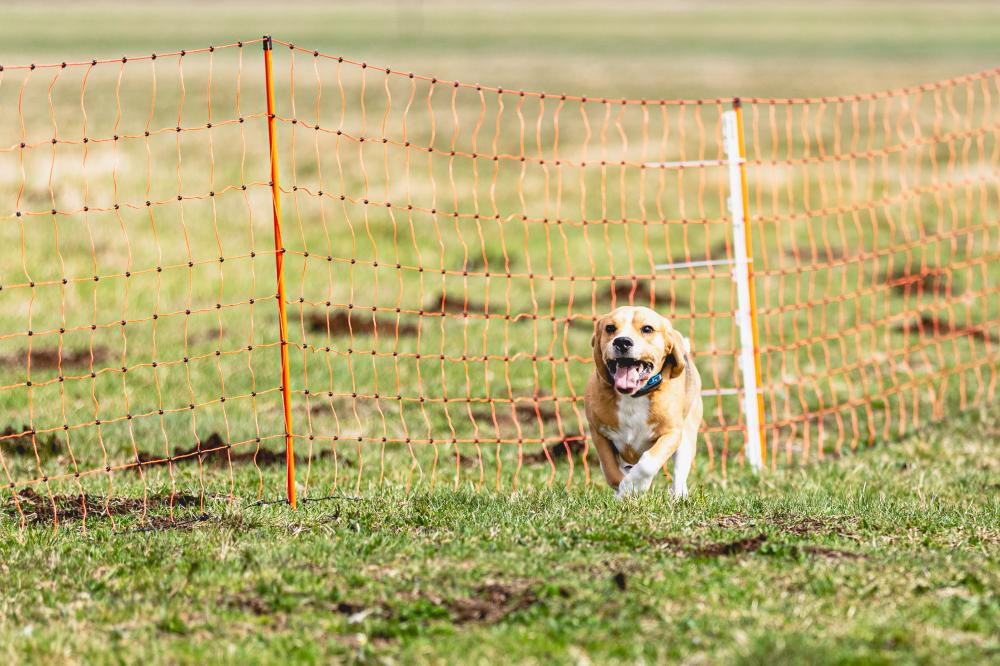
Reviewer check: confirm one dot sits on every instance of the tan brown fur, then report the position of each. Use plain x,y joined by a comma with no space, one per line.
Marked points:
671,405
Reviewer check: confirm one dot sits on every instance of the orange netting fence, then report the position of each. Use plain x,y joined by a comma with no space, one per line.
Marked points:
444,250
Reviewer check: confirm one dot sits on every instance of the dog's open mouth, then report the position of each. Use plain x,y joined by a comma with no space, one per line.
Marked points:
629,374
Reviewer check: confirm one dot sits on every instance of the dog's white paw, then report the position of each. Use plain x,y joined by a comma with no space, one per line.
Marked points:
679,492
633,484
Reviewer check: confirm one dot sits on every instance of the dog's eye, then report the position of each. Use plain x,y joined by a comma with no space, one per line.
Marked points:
646,329
610,328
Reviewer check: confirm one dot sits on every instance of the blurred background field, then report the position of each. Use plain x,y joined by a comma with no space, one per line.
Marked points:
637,49
493,351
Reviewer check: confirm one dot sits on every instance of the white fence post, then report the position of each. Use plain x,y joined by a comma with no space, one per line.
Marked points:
745,314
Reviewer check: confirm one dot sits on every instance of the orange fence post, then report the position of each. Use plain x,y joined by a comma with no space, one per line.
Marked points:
279,261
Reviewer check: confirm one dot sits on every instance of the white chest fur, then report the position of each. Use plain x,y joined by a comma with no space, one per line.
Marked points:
633,429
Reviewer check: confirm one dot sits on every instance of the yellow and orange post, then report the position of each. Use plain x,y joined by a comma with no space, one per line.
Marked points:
279,264
746,315
738,108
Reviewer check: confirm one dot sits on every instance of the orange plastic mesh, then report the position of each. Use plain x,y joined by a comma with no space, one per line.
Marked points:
136,320
447,248
878,306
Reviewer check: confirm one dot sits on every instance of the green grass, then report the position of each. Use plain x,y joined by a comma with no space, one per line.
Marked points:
457,568
888,556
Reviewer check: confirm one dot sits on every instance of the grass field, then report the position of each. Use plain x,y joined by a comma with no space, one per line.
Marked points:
884,557
855,553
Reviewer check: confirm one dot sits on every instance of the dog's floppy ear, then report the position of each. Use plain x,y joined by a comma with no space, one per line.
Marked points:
595,342
676,353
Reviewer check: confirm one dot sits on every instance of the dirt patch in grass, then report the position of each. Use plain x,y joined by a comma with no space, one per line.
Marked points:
559,452
358,322
212,451
797,525
38,508
804,253
257,605
47,445
745,545
733,521
804,526
49,358
250,603
842,526
490,604
453,304
322,405
524,412
933,282
726,548
931,325
487,604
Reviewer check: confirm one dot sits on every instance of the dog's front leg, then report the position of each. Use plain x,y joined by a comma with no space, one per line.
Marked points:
608,456
641,476
685,452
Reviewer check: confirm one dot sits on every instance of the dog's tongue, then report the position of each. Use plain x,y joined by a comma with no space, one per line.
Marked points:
627,378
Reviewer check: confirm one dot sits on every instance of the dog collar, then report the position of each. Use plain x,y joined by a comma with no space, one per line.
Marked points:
650,384
653,382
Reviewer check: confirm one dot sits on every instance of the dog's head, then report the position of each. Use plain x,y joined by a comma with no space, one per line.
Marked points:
631,344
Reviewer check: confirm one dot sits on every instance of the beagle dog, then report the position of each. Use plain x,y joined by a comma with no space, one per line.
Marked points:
643,401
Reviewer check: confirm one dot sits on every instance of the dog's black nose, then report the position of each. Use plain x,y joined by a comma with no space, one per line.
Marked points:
622,344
